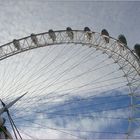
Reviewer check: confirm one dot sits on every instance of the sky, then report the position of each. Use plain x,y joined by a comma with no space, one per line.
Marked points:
39,16
21,18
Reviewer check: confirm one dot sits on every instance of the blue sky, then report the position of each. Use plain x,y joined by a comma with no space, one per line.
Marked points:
21,18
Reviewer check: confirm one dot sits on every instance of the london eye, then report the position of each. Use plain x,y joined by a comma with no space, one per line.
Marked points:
73,84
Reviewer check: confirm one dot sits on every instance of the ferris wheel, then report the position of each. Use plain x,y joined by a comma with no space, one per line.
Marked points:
70,84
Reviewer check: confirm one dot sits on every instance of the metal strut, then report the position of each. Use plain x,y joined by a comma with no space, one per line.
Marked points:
5,109
14,128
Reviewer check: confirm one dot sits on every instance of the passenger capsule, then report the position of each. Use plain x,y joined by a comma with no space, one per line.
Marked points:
122,39
16,44
52,35
88,32
105,34
34,39
87,29
69,33
137,49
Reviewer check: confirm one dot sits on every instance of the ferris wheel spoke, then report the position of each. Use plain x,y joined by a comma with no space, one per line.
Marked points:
65,72
70,102
78,76
89,115
67,94
72,78
55,58
55,68
27,134
42,74
117,88
34,66
15,76
91,83
93,89
66,131
56,129
77,108
38,62
102,103
75,130
91,105
86,72
4,75
45,66
62,95
62,81
40,101
64,115
70,81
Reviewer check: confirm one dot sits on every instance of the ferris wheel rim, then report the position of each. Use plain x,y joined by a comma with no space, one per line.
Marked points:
125,47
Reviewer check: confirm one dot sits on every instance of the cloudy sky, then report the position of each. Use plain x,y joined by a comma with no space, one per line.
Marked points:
20,18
